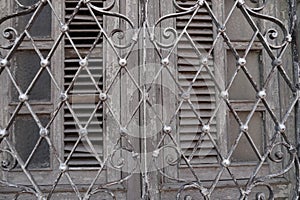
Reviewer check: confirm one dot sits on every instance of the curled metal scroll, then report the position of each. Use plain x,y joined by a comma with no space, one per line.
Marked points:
180,8
101,191
119,35
9,162
117,161
193,185
25,10
22,189
279,157
171,160
173,15
105,11
260,7
11,33
269,195
19,195
272,33
116,33
170,32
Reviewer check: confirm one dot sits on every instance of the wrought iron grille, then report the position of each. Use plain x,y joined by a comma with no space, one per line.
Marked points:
114,120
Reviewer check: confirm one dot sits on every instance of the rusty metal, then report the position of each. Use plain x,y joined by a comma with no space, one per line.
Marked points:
142,32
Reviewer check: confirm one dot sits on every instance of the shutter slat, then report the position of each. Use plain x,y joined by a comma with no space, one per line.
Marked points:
191,137
193,129
205,145
85,163
74,130
81,148
94,138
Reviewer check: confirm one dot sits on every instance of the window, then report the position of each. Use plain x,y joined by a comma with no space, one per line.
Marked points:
32,84
43,69
226,108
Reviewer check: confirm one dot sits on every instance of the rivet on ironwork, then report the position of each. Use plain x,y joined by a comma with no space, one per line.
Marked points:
289,38
277,62
245,193
23,97
279,154
44,1
83,132
206,128
45,63
63,167
281,128
4,63
188,197
146,96
123,131
292,149
222,29
262,94
242,61
135,37
122,62
200,2
226,162
64,28
204,191
86,197
167,129
224,94
186,96
43,132
103,96
205,61
244,128
3,133
188,160
5,163
241,2
152,37
165,62
83,62
155,153
135,155
63,96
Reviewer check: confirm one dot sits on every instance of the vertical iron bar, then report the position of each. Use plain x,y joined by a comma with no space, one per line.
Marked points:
145,181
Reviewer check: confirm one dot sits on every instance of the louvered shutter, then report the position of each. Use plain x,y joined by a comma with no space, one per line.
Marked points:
83,31
203,91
